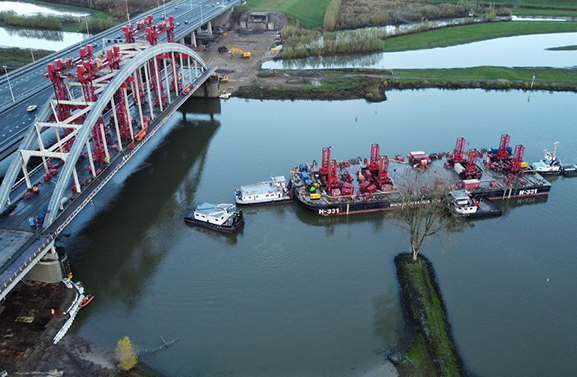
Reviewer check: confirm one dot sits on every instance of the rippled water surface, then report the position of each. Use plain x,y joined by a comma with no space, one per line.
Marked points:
294,294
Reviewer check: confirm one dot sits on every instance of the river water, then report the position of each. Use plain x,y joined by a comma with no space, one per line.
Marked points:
37,39
28,9
519,51
294,294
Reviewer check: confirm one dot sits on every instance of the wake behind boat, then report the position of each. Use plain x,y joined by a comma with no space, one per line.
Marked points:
221,217
271,191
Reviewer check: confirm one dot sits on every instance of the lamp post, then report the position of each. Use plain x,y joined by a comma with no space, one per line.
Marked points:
32,52
87,31
9,85
127,14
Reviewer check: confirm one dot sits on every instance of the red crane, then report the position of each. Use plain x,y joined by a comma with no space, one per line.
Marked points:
459,152
332,181
503,152
517,160
383,177
325,162
374,164
471,170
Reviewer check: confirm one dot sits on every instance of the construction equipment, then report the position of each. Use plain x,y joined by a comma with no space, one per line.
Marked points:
243,54
472,171
504,151
221,77
458,153
517,161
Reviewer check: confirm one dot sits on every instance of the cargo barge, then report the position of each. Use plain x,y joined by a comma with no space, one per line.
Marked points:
381,184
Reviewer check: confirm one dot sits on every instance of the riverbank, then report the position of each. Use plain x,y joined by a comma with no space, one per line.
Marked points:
451,36
371,84
30,318
14,57
430,349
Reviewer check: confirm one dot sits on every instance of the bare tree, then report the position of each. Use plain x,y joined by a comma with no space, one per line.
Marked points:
424,212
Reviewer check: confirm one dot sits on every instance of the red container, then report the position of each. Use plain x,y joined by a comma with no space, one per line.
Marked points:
363,186
372,188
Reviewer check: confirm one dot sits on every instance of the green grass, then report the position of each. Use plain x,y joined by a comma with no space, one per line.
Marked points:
493,73
563,48
544,12
75,27
419,361
310,13
15,57
424,291
471,33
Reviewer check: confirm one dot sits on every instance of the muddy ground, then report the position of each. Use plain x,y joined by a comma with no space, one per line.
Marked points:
240,70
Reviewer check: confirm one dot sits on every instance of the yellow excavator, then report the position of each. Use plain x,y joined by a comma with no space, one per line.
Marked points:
245,55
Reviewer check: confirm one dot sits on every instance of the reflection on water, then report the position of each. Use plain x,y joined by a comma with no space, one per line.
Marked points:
49,35
38,39
297,294
519,51
29,9
134,204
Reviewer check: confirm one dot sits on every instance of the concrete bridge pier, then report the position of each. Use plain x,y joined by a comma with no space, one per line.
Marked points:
193,39
210,89
223,18
51,268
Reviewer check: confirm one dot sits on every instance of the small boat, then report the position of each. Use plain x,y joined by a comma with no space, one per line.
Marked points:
87,300
224,95
221,217
275,190
549,164
464,205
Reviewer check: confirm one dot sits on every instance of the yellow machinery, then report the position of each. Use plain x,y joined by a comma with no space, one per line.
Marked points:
242,54
316,195
221,77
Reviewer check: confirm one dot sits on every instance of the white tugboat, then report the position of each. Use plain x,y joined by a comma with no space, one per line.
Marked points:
550,164
222,217
271,191
463,205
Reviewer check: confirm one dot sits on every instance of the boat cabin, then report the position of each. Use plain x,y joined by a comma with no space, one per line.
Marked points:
214,214
263,191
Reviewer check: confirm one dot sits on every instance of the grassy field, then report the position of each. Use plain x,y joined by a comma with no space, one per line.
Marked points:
471,33
563,48
493,73
309,13
72,27
424,305
16,57
544,12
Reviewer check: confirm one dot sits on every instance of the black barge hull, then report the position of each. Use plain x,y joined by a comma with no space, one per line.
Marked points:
236,225
348,208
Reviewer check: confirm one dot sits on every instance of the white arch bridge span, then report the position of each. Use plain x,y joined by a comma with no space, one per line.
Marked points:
103,110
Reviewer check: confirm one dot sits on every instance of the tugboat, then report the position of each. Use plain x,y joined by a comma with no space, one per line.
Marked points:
462,204
223,217
271,191
550,164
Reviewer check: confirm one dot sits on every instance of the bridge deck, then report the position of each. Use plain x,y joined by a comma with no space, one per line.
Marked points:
27,244
30,87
